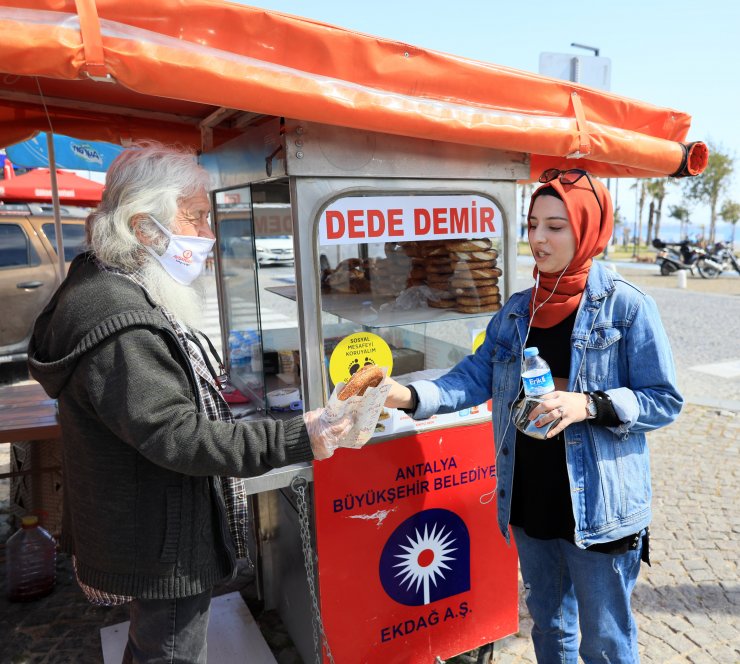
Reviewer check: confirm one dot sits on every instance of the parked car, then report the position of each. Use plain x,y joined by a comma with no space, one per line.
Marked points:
29,270
274,250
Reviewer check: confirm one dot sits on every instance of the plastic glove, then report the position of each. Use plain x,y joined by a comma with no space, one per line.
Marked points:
326,434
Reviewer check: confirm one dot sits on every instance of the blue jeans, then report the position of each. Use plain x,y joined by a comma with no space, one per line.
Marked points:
168,631
565,586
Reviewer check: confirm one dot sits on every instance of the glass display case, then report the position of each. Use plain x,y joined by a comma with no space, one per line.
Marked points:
428,294
255,254
429,297
238,290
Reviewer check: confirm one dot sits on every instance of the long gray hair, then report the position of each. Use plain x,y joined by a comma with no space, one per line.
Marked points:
149,179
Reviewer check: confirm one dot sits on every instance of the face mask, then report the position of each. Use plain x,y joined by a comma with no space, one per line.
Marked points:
185,255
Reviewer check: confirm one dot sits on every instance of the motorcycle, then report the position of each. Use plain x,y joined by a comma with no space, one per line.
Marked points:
672,257
720,259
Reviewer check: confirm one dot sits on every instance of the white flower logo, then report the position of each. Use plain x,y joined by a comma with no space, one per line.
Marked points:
425,559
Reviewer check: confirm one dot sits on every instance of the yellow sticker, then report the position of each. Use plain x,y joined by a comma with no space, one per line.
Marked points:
355,351
479,339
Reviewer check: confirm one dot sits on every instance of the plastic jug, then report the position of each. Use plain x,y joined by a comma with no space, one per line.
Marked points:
30,562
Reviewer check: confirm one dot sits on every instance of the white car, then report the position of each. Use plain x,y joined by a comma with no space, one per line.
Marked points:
275,250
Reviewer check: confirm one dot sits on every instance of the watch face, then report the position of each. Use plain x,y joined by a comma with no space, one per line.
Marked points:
591,406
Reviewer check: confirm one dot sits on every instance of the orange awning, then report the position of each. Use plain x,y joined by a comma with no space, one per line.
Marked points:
176,63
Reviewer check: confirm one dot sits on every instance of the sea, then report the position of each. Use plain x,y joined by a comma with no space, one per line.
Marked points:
671,231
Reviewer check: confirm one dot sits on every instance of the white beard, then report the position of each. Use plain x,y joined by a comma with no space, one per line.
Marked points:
186,303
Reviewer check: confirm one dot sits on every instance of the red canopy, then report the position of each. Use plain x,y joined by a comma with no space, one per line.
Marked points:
36,186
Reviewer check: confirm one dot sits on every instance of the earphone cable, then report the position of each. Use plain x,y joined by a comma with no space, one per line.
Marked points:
488,497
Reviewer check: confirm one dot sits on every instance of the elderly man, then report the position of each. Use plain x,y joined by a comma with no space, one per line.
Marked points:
150,447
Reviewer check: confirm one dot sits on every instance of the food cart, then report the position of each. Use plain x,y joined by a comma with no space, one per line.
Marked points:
403,250
392,169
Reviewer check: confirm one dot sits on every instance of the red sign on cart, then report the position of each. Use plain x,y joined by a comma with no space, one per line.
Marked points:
411,562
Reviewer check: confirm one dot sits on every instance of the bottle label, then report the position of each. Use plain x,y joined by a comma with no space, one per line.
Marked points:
539,384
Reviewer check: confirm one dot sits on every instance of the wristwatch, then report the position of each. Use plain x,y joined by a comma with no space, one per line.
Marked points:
590,407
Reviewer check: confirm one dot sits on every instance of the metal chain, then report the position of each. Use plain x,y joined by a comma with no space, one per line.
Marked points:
298,485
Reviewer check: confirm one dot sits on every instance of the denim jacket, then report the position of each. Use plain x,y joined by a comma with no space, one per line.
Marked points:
619,346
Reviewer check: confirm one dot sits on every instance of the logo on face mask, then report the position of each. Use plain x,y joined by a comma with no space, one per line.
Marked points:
185,255
186,258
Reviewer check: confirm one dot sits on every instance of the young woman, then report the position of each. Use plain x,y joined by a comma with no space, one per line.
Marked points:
578,501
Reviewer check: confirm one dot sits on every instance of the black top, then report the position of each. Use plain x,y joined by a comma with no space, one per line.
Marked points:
540,502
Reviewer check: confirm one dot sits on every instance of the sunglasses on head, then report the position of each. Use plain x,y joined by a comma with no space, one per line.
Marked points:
570,176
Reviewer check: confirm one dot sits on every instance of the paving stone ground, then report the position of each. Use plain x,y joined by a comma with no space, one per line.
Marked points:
687,604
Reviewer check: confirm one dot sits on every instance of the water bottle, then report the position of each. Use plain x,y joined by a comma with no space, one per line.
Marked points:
536,374
537,380
30,562
233,340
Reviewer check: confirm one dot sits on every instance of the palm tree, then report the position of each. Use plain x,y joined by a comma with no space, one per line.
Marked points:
730,213
641,187
681,214
712,183
657,190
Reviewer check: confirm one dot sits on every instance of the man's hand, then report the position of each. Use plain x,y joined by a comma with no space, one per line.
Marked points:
399,395
326,436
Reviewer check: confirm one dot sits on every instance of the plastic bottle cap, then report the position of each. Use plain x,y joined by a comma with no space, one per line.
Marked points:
531,351
28,521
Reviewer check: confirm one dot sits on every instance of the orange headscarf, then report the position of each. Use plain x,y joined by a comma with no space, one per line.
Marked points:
592,231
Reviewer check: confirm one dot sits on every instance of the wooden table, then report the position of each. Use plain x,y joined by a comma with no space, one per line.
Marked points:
28,418
27,413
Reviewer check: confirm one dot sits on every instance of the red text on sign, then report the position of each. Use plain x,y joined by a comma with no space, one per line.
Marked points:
359,224
446,221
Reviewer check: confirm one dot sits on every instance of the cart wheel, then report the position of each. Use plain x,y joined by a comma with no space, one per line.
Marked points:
486,654
667,268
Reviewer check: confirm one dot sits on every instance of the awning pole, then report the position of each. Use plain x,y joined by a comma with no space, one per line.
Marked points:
55,203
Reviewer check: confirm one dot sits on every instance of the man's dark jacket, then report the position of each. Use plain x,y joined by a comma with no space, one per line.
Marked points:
143,512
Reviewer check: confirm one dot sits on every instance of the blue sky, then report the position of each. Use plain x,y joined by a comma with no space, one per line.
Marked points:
683,54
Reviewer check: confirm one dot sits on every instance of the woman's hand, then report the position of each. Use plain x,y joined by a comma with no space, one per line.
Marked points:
399,395
569,406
